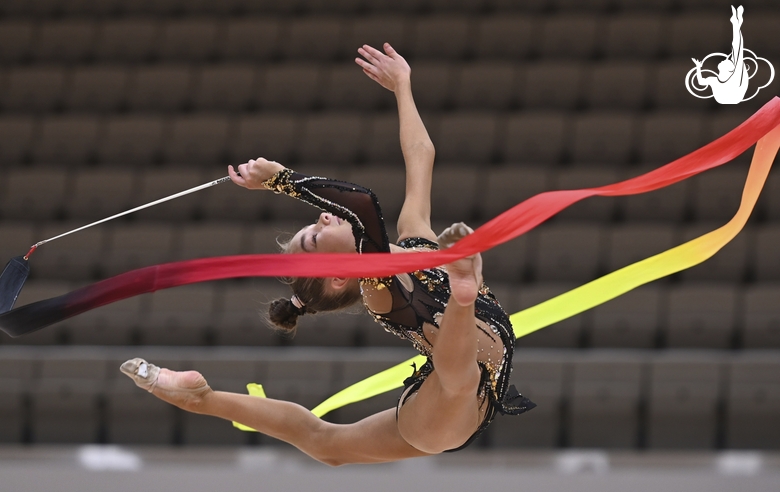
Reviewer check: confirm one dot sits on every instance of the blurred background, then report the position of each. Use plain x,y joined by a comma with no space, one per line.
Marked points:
108,104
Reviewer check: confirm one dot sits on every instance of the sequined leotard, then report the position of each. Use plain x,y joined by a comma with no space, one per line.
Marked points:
419,299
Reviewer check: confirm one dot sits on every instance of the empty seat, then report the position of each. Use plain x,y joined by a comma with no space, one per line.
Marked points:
75,257
603,138
666,204
440,36
467,137
347,87
604,401
388,182
33,88
131,139
718,193
65,411
632,35
270,135
290,86
553,85
763,34
158,183
540,377
64,40
770,196
375,30
331,137
67,139
313,38
760,322
130,39
701,316
252,38
97,88
506,36
507,187
766,262
683,401
226,87
163,87
98,194
381,143
592,208
534,137
629,244
433,84
241,319
197,139
112,324
506,262
668,87
137,417
16,38
730,264
454,193
631,320
34,193
666,136
566,333
188,39
753,401
569,36
16,135
210,239
137,245
12,410
696,34
617,85
179,316
486,85
568,252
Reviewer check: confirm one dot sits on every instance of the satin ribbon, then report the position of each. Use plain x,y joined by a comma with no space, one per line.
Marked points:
510,224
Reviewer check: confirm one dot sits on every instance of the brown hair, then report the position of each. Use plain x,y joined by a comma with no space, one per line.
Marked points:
312,292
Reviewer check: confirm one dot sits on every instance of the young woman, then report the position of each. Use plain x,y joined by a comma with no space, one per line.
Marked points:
447,313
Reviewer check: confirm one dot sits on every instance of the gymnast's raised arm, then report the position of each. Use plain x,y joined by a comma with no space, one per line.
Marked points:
390,70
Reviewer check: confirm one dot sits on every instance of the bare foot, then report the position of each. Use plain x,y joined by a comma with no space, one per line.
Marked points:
466,274
185,389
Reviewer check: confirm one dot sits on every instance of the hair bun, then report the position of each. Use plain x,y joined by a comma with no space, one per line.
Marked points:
284,314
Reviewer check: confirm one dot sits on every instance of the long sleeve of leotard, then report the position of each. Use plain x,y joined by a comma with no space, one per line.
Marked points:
353,203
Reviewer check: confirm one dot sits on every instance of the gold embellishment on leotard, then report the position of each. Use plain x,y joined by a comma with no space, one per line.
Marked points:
430,282
377,283
484,290
281,183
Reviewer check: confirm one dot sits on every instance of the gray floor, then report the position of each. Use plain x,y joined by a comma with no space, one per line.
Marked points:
110,468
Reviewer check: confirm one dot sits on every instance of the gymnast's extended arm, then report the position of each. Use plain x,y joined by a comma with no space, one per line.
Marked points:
391,71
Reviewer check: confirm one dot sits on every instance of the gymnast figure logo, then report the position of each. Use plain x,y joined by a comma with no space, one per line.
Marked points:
735,70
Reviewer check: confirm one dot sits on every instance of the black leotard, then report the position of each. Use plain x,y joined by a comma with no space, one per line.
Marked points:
425,302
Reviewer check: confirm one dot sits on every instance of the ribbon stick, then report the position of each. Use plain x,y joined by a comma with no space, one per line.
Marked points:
510,224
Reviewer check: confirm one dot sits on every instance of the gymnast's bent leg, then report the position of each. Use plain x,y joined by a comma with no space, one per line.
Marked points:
372,440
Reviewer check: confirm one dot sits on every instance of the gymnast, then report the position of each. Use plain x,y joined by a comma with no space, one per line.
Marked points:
447,313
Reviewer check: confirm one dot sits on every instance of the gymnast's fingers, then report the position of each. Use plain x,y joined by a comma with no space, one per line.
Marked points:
240,181
374,52
365,65
368,56
390,51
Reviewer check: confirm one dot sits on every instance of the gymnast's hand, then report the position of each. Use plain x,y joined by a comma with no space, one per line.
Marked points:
390,70
254,172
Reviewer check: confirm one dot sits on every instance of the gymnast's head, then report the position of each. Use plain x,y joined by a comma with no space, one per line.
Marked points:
310,295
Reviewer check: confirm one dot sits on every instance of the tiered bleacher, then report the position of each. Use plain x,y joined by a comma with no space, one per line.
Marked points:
109,104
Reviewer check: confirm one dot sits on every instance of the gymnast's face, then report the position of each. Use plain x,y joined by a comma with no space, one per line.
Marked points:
330,234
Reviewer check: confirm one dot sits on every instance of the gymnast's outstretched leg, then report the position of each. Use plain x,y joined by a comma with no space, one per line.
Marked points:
445,411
